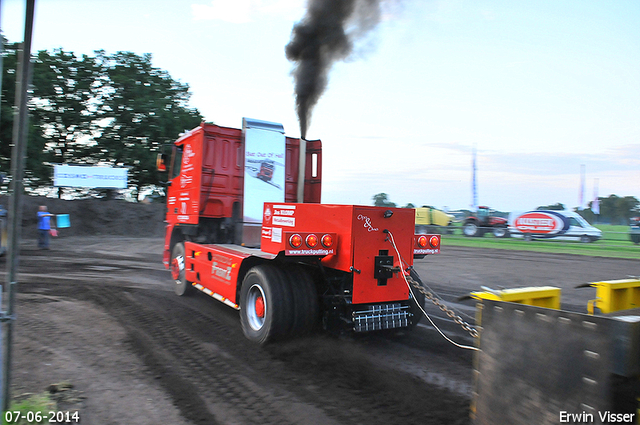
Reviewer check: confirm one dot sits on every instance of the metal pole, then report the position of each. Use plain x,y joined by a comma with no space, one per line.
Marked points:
20,129
1,247
2,383
302,169
1,66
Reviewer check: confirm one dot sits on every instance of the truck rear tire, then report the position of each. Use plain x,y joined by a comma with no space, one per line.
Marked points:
413,305
181,287
304,301
417,301
265,304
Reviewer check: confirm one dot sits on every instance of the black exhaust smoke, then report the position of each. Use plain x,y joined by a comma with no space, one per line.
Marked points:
324,36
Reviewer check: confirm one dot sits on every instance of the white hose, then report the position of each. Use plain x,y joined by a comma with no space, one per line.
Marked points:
466,347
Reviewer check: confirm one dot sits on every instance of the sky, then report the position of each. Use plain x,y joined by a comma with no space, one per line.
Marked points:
540,89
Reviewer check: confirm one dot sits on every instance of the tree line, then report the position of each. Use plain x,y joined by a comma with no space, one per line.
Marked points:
612,209
107,109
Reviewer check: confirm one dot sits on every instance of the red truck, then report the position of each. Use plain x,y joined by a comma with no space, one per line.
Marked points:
271,250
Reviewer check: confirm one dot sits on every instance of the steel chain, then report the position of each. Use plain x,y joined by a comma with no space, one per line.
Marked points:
450,313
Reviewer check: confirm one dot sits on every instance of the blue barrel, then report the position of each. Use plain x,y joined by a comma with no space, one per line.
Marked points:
62,220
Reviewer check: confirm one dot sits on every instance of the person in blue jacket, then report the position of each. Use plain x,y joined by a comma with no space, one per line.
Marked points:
44,227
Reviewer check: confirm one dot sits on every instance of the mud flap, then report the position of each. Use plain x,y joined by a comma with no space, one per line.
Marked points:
538,365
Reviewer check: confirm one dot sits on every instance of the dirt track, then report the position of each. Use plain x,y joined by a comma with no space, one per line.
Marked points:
100,313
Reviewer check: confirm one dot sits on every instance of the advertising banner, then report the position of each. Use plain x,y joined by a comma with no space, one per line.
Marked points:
542,223
87,176
264,172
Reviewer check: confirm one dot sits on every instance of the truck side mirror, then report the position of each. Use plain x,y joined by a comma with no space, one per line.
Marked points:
161,162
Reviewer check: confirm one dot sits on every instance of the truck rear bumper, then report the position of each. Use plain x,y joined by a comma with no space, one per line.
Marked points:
376,317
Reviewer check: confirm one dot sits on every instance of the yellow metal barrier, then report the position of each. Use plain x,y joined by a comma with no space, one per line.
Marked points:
538,296
615,295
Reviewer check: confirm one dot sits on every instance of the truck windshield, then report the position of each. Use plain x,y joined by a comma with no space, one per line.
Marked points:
582,221
574,222
176,161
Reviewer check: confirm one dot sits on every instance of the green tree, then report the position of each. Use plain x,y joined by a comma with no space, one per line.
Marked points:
109,109
9,58
35,150
144,108
618,210
61,111
409,205
613,209
65,107
554,207
382,200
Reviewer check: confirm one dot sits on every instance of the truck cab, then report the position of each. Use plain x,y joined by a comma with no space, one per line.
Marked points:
208,172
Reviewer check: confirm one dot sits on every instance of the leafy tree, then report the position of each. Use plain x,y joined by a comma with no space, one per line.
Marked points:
409,205
613,209
65,107
618,210
144,108
9,74
10,59
554,207
109,109
382,200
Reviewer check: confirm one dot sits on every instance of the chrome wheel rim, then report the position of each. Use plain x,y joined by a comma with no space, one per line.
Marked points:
254,299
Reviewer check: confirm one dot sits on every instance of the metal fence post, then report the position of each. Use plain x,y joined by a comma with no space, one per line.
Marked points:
20,130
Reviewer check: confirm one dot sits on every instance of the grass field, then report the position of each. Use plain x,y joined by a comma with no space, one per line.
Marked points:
614,243
34,410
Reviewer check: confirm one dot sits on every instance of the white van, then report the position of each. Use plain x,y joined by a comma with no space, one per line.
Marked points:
548,224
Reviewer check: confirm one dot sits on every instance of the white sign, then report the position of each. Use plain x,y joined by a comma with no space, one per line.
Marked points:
86,176
264,171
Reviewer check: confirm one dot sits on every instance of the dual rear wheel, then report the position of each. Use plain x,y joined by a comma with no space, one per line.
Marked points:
277,303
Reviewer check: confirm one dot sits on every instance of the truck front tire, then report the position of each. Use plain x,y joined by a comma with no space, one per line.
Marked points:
181,287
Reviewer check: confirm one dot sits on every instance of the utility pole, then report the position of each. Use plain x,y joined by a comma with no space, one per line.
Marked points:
581,197
595,205
15,201
474,182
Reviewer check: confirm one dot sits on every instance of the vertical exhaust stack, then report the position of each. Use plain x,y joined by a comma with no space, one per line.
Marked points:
302,169
324,36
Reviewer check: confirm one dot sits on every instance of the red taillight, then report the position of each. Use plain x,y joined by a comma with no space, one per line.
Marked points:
312,240
422,241
434,241
314,244
295,241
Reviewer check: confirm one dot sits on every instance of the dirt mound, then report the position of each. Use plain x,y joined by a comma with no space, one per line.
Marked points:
96,217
